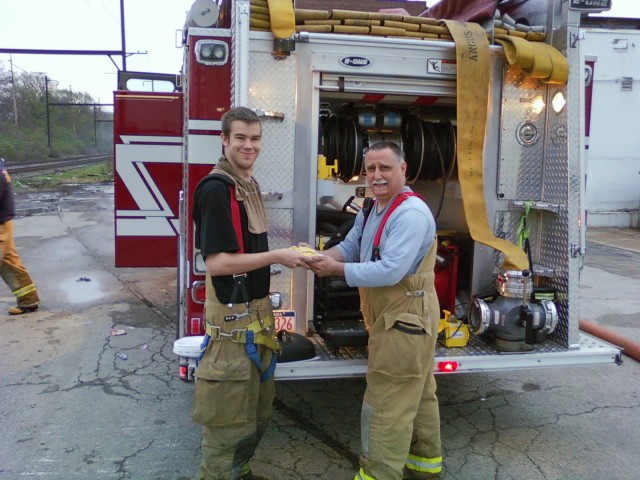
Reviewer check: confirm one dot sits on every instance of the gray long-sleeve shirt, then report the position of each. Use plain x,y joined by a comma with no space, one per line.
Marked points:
407,236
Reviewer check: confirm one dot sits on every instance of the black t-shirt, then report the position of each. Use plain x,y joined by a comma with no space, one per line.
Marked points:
215,233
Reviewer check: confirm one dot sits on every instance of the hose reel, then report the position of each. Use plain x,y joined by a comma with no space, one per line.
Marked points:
429,147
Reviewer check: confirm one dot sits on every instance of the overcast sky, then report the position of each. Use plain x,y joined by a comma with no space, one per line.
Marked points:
92,25
95,25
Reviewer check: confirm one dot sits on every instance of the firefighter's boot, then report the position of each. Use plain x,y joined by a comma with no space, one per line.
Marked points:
19,310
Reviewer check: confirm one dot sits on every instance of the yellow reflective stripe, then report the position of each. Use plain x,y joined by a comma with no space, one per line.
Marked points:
21,292
363,476
424,464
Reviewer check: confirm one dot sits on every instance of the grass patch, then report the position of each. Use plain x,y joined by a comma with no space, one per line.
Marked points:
99,173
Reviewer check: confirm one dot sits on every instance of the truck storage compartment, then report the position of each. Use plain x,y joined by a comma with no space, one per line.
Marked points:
324,102
346,129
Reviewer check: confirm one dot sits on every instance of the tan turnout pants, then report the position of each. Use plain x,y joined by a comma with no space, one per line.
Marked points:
400,417
13,271
231,403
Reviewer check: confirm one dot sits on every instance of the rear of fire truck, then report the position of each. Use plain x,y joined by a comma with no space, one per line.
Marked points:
491,135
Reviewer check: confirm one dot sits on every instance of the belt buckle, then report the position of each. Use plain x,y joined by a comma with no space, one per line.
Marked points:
235,335
215,332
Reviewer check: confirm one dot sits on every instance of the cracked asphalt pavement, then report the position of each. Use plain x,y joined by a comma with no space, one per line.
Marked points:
78,402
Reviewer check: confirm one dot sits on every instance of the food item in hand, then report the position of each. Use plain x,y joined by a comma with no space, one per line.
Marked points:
306,251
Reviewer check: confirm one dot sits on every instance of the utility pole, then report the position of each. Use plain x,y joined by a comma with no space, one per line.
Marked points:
95,127
13,83
122,36
46,99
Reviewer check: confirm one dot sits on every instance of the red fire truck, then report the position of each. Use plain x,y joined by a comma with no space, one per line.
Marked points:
324,95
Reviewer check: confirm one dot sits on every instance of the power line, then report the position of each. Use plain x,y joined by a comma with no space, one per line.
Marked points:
115,27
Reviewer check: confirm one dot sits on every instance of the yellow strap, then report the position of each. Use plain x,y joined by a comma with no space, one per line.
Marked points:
239,335
283,20
472,55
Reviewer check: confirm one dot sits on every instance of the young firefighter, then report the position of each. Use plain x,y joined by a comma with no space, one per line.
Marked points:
394,272
234,379
12,270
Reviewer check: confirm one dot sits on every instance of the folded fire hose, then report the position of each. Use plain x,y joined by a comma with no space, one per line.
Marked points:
472,55
524,49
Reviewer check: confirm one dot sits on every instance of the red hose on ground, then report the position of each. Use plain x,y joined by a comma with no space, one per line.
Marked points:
630,348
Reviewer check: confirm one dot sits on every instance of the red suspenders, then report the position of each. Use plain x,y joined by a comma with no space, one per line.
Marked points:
375,253
235,217
239,285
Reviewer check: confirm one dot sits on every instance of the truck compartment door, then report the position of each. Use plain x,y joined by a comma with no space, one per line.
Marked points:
147,175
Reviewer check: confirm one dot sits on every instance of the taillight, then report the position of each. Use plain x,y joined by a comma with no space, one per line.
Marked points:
184,372
195,325
198,291
447,367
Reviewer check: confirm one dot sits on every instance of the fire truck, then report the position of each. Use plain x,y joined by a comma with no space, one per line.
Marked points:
489,116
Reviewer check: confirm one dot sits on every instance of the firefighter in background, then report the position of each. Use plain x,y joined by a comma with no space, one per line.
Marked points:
400,424
234,379
12,270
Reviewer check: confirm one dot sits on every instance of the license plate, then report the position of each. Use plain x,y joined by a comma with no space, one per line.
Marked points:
285,320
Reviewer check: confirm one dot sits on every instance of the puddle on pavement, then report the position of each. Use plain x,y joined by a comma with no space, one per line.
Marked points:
82,290
31,203
90,188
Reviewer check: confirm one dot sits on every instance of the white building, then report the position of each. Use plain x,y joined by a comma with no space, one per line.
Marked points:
611,47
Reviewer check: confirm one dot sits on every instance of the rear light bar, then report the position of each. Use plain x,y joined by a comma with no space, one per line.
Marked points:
448,367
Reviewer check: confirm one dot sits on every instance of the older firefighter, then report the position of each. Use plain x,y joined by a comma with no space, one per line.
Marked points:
12,270
390,255
234,386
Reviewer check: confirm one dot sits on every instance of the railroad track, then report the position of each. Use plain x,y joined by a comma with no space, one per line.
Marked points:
57,165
